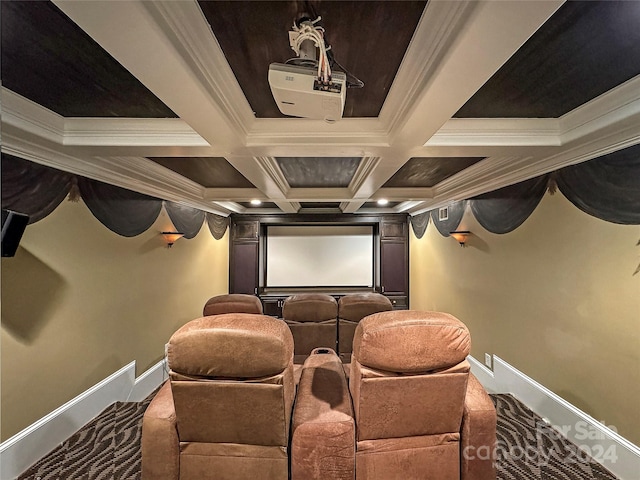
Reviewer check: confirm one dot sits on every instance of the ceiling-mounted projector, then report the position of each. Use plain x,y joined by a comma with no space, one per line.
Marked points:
306,86
298,92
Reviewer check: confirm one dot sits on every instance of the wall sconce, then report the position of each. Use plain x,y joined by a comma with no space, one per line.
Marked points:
460,236
171,237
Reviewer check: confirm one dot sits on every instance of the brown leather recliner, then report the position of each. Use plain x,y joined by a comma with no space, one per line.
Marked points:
351,309
420,414
226,409
312,318
232,303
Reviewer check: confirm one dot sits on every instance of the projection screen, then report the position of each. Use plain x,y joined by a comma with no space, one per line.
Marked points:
319,256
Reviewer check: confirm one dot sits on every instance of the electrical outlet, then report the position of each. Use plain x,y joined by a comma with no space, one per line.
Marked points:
487,360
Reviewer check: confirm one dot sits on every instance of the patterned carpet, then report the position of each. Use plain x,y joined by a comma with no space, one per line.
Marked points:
109,448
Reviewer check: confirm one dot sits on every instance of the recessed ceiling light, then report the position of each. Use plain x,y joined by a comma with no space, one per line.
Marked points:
255,201
383,201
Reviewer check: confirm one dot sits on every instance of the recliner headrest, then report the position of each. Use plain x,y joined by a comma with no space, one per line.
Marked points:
354,307
232,303
411,341
310,307
238,345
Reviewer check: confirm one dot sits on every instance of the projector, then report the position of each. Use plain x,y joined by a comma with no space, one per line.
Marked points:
298,92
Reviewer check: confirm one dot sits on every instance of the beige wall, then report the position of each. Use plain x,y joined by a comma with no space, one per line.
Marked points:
79,302
556,298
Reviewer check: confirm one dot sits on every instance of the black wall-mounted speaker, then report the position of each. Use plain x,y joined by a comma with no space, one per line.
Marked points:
13,225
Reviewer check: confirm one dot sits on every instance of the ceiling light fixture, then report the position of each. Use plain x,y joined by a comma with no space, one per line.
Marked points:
383,201
172,237
461,236
255,201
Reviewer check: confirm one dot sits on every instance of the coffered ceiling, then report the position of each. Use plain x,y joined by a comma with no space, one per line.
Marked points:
460,98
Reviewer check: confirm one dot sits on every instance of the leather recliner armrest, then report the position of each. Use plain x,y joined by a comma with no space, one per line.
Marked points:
323,428
478,434
160,443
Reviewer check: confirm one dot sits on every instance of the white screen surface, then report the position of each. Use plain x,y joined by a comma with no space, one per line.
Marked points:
320,256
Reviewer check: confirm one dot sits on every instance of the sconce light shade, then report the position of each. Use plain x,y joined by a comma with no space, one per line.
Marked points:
171,237
460,236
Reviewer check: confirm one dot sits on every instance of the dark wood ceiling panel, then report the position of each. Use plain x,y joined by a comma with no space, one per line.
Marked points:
429,171
262,205
375,205
367,38
320,205
48,59
210,172
309,172
583,50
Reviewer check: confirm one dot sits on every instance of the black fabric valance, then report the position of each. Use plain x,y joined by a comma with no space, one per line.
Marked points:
36,190
456,211
122,211
217,225
32,189
504,210
187,220
419,224
607,187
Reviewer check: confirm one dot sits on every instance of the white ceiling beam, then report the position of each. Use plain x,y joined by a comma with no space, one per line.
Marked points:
136,174
497,172
133,37
495,30
475,49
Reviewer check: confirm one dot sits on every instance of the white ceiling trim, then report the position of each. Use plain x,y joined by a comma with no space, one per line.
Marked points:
271,166
438,27
409,194
233,194
497,172
146,46
494,31
504,132
287,207
137,174
491,35
191,33
131,132
319,195
31,118
365,167
617,105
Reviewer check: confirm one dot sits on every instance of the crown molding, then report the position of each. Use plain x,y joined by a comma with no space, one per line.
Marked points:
406,194
233,194
271,166
37,120
136,174
616,105
496,172
365,167
131,132
32,118
463,132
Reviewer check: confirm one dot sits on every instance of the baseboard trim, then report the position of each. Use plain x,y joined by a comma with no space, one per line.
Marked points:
25,448
146,383
614,452
483,374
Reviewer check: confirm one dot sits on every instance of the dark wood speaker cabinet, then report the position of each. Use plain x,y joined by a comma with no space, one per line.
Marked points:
247,250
